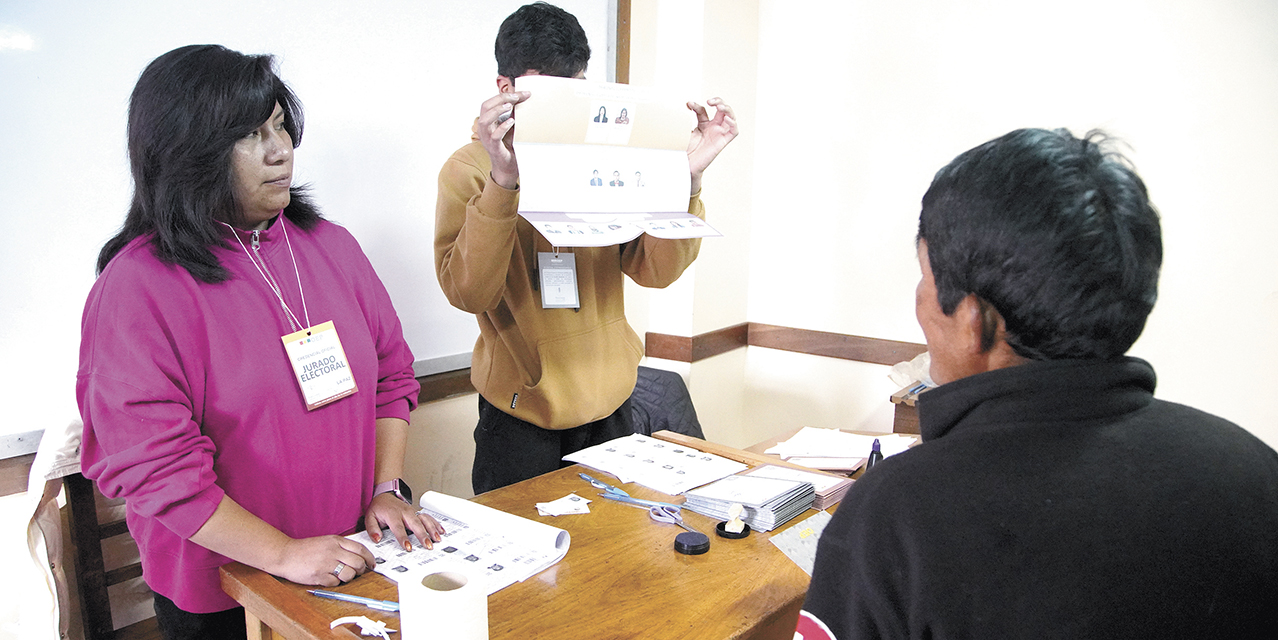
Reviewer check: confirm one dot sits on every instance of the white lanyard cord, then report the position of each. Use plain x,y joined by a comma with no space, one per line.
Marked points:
305,314
292,318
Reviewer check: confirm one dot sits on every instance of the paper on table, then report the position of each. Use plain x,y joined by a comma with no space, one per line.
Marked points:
768,502
656,464
500,547
571,504
820,481
799,543
812,442
829,489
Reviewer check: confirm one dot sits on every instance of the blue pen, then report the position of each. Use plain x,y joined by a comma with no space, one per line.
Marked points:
380,605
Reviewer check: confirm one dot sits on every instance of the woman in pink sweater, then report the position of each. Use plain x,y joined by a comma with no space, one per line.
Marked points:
217,400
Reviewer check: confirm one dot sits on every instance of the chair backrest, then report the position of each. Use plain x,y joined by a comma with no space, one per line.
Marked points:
661,402
92,576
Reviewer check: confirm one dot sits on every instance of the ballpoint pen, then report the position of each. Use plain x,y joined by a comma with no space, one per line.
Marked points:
380,605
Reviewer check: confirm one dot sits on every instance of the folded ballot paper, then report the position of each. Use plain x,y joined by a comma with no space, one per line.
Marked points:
769,502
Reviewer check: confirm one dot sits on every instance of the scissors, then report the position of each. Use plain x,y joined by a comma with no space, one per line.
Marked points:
669,516
613,493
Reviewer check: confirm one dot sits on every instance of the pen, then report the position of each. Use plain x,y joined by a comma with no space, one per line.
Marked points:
876,455
380,605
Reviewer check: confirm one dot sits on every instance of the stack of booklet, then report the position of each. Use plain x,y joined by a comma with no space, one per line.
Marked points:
769,502
830,489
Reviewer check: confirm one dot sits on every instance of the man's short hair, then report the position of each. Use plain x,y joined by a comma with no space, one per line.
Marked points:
543,38
1056,233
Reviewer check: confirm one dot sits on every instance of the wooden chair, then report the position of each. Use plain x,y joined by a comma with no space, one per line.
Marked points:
92,576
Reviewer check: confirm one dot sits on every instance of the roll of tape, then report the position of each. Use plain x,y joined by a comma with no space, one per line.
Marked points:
447,604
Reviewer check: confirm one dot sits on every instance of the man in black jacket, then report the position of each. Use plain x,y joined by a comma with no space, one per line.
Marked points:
1052,496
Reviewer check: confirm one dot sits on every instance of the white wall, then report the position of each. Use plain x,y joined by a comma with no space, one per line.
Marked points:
859,108
854,107
390,89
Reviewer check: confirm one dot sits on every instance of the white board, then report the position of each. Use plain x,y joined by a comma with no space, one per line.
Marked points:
390,88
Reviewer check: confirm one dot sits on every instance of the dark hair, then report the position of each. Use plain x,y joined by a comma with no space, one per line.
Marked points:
543,38
189,108
1056,233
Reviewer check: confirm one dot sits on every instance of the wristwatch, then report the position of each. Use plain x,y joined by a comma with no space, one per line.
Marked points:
398,487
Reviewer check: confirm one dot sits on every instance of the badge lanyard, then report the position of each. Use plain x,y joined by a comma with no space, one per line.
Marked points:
319,363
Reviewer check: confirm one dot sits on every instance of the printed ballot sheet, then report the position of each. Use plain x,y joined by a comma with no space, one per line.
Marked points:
602,163
502,548
656,464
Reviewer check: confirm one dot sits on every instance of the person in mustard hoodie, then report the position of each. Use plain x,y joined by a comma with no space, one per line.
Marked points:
551,381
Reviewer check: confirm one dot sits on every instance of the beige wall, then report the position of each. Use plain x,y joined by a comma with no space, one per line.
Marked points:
847,110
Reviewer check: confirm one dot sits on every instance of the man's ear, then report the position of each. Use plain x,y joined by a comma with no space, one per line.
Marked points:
982,332
970,325
505,85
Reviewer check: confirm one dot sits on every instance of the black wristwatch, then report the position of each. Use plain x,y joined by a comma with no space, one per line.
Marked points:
398,487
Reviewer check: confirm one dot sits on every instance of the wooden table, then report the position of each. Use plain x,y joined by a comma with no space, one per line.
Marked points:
620,579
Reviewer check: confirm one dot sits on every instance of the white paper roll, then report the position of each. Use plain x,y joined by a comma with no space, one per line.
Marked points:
447,604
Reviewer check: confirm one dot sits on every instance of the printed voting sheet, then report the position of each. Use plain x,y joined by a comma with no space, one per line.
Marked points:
602,163
501,547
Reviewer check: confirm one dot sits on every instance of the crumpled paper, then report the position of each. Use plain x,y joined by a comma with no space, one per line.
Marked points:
916,370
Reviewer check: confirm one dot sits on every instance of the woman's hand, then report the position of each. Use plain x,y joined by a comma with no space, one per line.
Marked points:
325,561
388,511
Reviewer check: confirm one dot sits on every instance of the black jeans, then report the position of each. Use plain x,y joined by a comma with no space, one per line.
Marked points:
509,450
176,624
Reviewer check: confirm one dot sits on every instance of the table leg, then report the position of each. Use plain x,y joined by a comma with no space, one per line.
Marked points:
258,630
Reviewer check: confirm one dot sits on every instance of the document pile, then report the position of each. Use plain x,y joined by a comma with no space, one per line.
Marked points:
830,489
769,502
834,450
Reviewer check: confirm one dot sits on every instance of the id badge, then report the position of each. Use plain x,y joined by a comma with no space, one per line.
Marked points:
558,273
320,365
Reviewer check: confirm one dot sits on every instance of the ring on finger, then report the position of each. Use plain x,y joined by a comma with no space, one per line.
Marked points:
337,573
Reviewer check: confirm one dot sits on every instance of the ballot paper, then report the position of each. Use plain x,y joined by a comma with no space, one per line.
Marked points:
832,449
602,163
799,543
571,504
502,548
769,502
656,464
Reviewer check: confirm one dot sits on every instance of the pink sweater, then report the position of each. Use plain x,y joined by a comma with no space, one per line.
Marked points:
187,394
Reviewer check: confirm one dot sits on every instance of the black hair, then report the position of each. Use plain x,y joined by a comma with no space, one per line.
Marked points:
1056,233
543,38
186,113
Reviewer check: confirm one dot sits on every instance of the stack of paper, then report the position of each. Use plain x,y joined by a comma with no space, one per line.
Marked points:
829,489
834,450
769,502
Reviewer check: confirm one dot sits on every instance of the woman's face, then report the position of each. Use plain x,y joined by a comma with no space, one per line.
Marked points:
262,167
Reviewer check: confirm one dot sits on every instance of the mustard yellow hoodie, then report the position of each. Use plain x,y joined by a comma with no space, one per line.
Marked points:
555,368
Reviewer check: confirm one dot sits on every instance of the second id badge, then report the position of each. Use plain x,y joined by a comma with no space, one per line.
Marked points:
558,273
319,364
